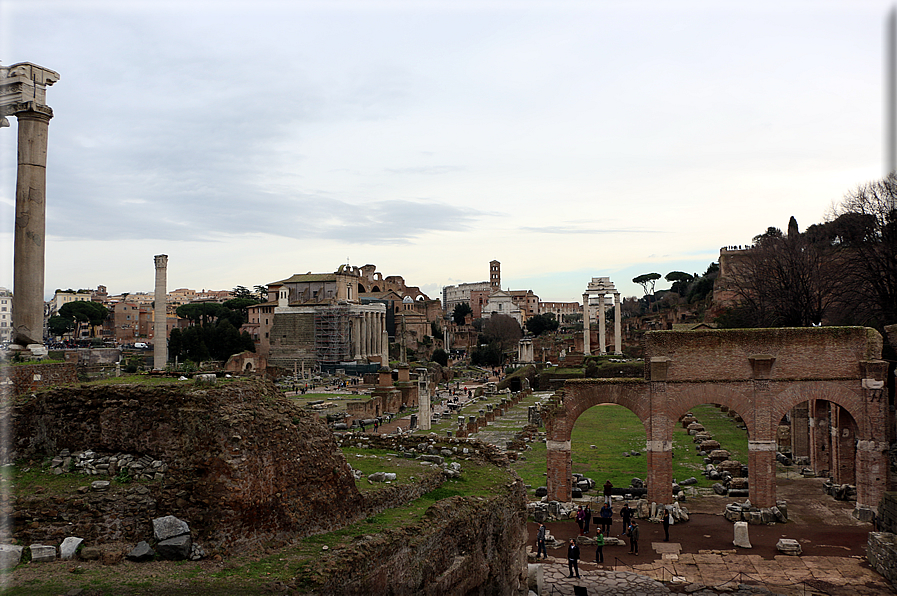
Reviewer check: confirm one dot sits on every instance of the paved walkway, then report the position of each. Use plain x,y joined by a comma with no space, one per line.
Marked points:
597,581
710,573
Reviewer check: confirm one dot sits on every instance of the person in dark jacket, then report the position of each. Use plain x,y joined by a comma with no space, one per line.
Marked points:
633,538
665,519
587,518
606,514
626,514
573,558
608,488
540,542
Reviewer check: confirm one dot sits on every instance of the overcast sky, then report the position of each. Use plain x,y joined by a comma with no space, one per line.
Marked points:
253,140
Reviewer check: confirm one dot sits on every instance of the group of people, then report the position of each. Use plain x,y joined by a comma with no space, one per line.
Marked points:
603,522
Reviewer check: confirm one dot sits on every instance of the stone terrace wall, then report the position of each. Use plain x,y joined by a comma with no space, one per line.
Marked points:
720,355
245,465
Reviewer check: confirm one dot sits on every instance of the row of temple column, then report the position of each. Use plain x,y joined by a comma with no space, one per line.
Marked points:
369,335
599,316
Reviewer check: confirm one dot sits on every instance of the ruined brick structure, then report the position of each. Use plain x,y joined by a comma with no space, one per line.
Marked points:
834,376
245,465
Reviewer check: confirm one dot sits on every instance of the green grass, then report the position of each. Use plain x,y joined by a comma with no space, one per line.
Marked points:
614,429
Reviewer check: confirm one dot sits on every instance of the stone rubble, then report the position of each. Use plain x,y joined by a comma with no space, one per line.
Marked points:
93,464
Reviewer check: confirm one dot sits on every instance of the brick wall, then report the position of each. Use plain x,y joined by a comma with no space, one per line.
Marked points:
33,377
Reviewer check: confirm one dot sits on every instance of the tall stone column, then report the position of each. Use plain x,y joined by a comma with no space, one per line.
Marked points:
31,215
618,328
602,330
160,314
586,331
23,94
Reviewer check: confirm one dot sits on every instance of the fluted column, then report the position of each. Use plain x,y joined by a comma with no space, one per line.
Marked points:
602,328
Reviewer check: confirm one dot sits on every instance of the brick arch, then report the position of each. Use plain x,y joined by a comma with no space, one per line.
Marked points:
759,373
846,394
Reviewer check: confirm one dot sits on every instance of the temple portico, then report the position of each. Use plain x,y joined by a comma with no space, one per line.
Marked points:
595,297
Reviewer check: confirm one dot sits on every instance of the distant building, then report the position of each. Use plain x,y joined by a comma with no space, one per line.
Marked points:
502,303
452,296
344,317
560,309
5,316
61,298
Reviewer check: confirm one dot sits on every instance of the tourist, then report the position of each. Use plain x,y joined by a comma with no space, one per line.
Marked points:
599,543
573,558
606,513
608,487
580,519
665,519
376,425
540,542
626,514
633,538
586,518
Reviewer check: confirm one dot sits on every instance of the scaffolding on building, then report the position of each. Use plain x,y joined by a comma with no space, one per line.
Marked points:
333,338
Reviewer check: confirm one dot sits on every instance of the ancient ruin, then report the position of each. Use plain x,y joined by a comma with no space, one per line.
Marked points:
160,316
762,374
23,94
595,298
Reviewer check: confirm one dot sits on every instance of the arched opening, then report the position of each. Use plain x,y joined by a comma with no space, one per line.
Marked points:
607,443
376,289
361,289
248,366
822,436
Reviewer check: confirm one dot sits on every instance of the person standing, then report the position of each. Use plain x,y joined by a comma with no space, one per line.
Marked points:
633,538
540,542
586,518
665,519
580,516
626,514
608,487
599,545
573,558
606,513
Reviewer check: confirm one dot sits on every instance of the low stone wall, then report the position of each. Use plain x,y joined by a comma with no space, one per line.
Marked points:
881,550
27,378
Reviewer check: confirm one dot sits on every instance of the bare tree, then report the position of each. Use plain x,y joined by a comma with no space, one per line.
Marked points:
787,281
864,227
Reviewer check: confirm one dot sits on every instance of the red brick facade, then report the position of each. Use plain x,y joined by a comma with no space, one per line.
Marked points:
761,374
